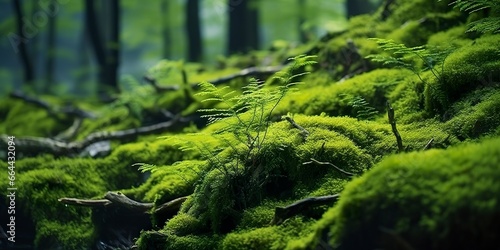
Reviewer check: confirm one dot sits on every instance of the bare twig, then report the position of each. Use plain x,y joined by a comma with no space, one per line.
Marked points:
303,131
120,200
283,213
392,121
329,164
429,144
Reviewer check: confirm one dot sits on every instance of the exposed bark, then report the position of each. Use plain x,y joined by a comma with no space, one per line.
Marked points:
283,213
193,29
29,75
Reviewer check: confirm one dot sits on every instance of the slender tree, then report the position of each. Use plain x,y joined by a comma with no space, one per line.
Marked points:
302,20
106,51
243,30
193,29
26,61
253,25
165,28
51,51
113,46
358,7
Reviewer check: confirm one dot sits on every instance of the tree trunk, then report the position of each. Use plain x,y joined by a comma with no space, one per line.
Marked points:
358,7
113,47
193,30
237,23
302,21
165,30
252,26
107,57
51,51
21,41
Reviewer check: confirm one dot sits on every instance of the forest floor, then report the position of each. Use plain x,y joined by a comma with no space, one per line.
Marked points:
348,142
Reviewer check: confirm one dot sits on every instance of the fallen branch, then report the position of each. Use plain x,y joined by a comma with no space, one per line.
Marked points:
85,203
257,72
303,131
120,200
283,213
392,121
429,144
48,145
329,164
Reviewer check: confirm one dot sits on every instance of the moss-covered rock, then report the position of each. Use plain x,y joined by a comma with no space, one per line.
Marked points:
428,200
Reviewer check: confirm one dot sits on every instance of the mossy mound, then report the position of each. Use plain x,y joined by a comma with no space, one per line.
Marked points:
19,117
439,199
45,179
468,68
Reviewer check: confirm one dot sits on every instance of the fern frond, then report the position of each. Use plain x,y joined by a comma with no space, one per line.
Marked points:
362,108
485,25
471,6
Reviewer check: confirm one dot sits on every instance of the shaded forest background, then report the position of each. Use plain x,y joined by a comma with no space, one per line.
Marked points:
87,47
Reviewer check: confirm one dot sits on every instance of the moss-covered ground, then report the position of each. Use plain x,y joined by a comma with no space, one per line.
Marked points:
441,196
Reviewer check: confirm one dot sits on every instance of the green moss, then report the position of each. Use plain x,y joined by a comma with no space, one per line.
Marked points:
184,224
166,240
429,200
466,69
478,114
70,235
272,237
19,121
404,11
169,182
454,38
334,99
45,179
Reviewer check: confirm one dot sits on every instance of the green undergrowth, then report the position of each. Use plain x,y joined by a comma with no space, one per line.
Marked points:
439,199
236,175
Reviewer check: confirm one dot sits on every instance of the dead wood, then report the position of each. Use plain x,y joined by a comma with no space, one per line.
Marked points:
392,121
283,213
48,145
303,131
329,164
120,200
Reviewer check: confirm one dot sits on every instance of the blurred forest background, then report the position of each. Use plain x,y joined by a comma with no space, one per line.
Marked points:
84,48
